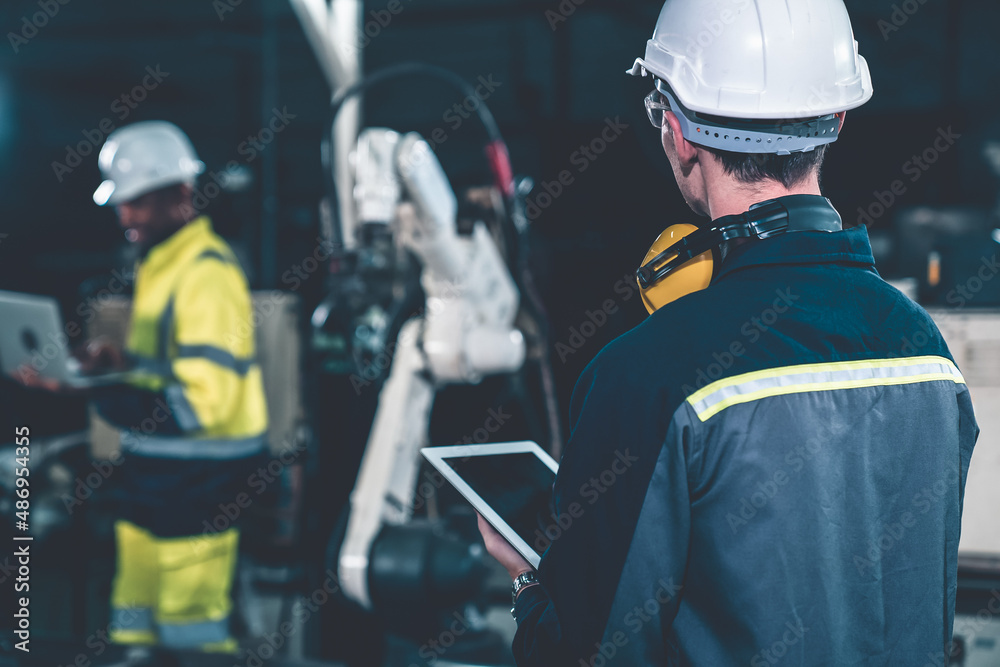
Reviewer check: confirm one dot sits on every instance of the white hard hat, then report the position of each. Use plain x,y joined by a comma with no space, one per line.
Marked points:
143,157
757,60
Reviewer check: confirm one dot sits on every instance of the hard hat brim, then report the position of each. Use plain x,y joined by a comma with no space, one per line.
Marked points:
109,194
103,193
641,68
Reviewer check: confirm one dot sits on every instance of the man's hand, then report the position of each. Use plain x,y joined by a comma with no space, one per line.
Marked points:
500,549
100,355
29,377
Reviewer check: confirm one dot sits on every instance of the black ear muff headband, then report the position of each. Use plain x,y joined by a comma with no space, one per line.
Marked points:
794,213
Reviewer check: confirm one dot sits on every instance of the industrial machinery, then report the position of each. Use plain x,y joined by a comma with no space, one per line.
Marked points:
466,332
421,294
432,291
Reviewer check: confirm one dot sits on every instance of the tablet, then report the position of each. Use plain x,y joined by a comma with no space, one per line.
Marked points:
509,483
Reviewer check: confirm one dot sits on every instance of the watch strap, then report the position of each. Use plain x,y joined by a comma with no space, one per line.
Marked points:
522,581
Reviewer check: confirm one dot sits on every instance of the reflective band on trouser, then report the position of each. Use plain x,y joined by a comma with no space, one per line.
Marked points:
132,618
190,448
196,575
194,635
720,395
134,593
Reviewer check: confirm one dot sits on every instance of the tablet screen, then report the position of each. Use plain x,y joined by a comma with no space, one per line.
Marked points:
517,486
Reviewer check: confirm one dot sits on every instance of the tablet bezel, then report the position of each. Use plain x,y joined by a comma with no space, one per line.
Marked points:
437,456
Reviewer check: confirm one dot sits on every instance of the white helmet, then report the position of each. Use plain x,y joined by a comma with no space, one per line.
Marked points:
143,157
757,60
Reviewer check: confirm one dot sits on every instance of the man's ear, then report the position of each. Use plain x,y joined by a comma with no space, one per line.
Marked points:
672,137
843,119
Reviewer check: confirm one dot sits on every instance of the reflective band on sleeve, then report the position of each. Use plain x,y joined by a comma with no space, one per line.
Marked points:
132,619
194,635
217,356
181,408
188,448
720,395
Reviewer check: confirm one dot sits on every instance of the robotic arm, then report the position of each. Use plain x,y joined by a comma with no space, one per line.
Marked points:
466,332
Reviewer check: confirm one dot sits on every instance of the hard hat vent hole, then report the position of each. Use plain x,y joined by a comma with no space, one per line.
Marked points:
716,135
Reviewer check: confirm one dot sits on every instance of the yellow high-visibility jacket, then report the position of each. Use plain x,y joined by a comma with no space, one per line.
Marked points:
192,341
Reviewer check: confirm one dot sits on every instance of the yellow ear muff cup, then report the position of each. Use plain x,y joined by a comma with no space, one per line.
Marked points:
690,277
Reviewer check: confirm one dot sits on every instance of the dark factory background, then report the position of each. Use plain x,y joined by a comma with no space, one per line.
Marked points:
224,69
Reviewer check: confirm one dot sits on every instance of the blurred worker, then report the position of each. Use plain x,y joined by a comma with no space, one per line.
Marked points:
797,433
193,422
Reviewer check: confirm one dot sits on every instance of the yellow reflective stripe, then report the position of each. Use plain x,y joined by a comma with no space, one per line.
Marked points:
754,386
819,386
817,368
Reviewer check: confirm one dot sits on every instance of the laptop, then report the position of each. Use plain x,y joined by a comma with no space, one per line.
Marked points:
509,484
32,334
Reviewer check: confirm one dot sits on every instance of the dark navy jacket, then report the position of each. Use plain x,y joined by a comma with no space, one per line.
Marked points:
767,471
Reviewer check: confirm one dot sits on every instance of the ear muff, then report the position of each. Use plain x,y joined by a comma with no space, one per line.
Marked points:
690,277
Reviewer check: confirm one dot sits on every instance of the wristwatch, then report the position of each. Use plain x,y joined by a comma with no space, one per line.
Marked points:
523,580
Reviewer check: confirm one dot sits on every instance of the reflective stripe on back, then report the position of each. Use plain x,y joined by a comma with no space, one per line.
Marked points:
749,387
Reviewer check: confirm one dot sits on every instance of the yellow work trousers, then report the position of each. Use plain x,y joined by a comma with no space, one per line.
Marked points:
173,591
